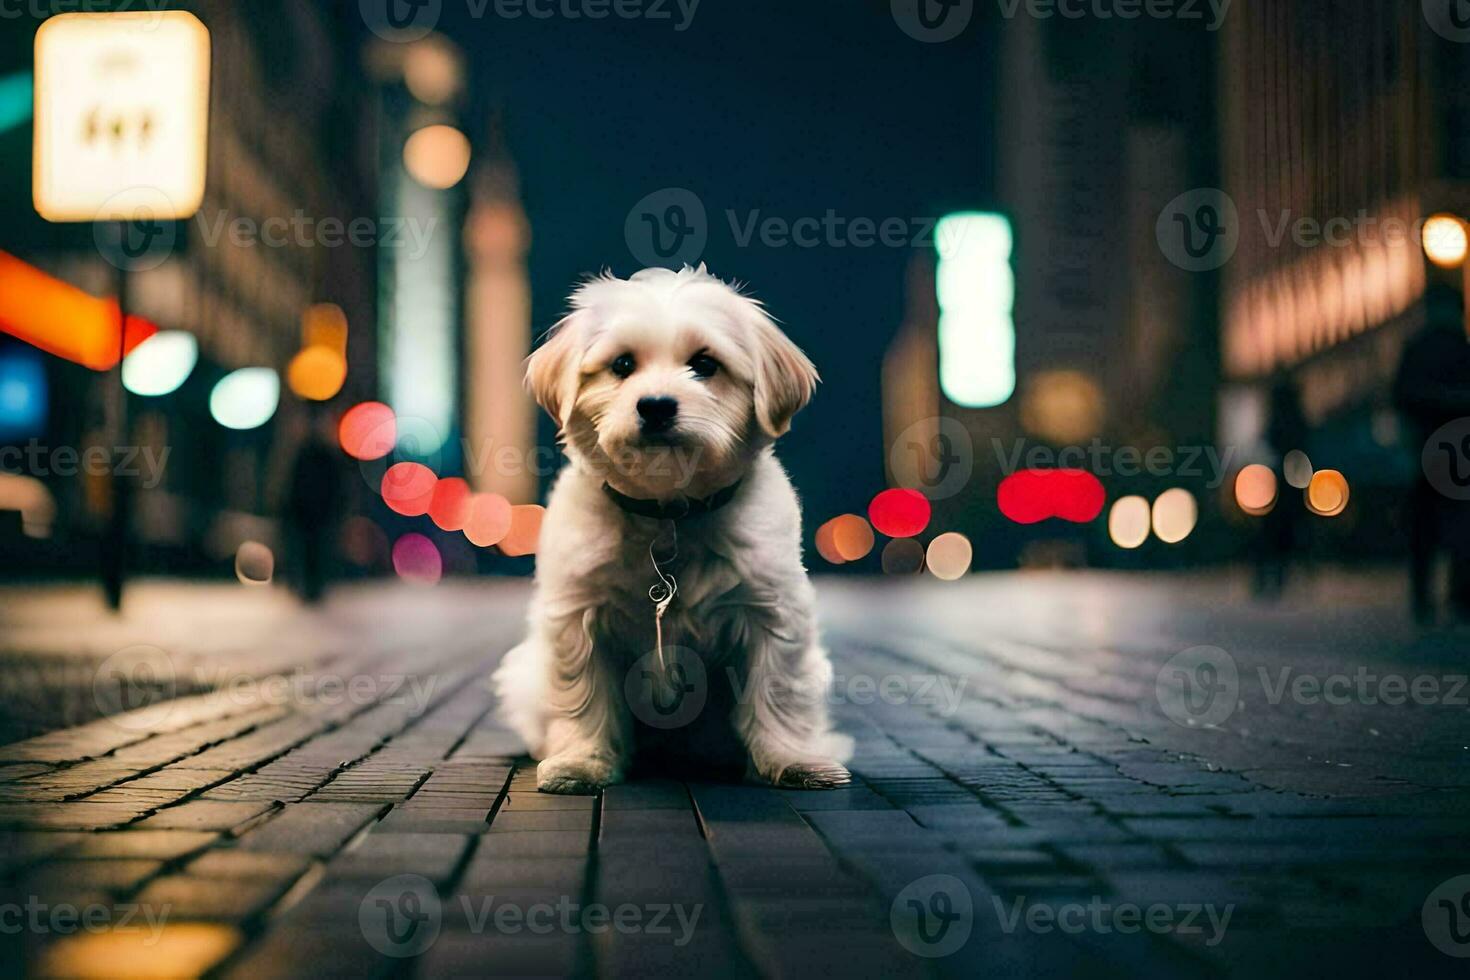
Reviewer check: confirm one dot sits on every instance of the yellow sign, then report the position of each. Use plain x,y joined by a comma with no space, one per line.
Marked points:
122,116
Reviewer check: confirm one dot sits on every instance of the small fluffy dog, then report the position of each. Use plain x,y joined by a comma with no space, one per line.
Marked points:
670,554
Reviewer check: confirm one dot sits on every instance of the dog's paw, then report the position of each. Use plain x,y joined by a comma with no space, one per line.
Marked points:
814,775
576,775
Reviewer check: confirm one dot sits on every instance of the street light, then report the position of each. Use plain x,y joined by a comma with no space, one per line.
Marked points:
121,134
1445,241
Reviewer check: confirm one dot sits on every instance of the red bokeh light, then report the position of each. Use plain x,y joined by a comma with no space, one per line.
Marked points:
449,507
1030,496
368,431
899,513
408,488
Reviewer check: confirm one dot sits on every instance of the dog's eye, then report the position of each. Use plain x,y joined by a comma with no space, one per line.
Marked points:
703,365
623,366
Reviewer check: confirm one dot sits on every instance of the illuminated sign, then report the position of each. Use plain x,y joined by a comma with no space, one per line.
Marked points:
977,295
122,116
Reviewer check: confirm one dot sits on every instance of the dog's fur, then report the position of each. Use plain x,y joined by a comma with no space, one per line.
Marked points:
744,604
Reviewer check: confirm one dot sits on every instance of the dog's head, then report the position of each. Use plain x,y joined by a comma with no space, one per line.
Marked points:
668,383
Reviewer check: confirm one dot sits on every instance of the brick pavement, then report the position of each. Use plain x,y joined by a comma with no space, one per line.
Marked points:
1022,803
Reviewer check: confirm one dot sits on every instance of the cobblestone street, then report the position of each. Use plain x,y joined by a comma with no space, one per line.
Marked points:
1055,775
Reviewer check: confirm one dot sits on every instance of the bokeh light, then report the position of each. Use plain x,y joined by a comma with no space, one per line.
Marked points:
1445,240
1064,407
363,543
24,393
416,559
903,556
899,513
408,488
1255,489
1327,494
489,519
432,70
826,545
325,324
437,156
1030,496
255,564
852,537
525,530
368,431
30,497
1129,521
1297,468
1174,515
317,373
246,399
449,507
160,364
949,556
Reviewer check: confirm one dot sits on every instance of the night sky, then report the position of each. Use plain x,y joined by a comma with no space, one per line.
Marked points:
791,109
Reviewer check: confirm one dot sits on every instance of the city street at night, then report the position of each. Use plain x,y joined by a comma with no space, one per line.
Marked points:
734,489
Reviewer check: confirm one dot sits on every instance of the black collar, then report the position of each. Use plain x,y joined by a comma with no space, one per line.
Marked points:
676,509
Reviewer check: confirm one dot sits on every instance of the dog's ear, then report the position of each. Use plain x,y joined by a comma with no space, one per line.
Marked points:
784,377
552,371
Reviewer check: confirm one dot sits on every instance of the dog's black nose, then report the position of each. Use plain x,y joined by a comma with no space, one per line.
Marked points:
657,413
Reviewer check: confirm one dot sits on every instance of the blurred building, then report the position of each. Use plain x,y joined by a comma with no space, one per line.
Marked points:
285,169
1100,122
1344,126
500,417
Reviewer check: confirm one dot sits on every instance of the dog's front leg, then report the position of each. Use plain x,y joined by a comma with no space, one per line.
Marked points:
588,734
781,714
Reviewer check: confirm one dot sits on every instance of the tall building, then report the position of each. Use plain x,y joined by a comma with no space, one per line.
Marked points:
1101,122
1346,126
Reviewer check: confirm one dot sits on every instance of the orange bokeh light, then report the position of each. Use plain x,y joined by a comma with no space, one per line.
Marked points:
1255,489
408,488
449,507
317,373
525,530
826,546
1327,494
852,537
368,431
488,520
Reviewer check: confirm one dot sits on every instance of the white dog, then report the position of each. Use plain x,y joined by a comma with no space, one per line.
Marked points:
671,546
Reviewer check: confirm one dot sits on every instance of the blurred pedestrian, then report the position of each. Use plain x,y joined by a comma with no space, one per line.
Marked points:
1433,388
1286,429
313,507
